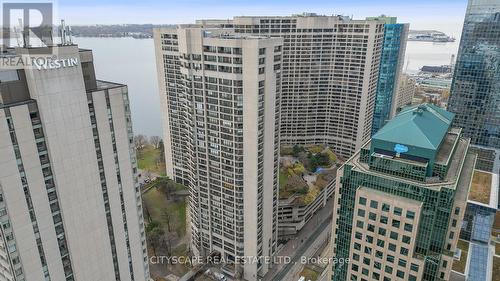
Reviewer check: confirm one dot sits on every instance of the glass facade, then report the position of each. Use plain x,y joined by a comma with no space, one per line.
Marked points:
479,258
391,62
475,91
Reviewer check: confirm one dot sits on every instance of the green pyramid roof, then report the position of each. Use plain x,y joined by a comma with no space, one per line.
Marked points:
422,126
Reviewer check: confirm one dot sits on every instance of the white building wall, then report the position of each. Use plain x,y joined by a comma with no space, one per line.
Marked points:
16,204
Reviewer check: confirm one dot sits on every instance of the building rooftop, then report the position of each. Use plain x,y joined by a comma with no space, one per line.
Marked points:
483,188
422,126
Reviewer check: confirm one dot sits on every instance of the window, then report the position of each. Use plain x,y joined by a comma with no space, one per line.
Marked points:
373,204
362,201
410,215
377,265
394,235
365,271
383,219
361,212
354,267
388,269
386,207
396,223
414,267
369,239
358,235
408,227
368,250
382,231
403,251
372,216
412,278
398,211
355,257
379,254
371,227
406,239
380,243
357,246
400,274
262,51
390,258
392,247
366,261
375,276
359,224
402,262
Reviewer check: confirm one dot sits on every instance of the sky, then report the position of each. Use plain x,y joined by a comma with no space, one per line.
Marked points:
444,15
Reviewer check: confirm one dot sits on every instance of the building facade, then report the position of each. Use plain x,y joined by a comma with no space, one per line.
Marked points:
476,231
391,66
475,97
329,76
220,95
401,199
70,205
406,91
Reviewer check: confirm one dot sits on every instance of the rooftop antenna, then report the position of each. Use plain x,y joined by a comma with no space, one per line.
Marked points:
62,32
18,34
24,36
69,35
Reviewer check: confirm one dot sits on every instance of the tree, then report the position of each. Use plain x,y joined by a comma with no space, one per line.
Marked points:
140,141
155,141
165,214
296,150
154,238
165,185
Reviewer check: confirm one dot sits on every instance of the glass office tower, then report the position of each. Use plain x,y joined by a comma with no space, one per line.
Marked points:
475,92
400,200
391,64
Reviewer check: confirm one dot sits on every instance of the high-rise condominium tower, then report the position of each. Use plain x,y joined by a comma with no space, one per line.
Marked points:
329,77
391,66
220,97
70,205
475,94
401,200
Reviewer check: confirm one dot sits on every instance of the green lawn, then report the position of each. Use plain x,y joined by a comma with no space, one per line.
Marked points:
148,158
459,265
496,269
309,274
156,201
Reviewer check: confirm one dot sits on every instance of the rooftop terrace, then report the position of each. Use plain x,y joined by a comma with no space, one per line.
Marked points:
305,171
483,188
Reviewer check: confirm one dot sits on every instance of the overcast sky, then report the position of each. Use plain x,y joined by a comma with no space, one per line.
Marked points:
445,15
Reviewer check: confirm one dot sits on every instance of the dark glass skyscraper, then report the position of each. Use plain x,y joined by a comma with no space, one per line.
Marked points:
475,92
391,64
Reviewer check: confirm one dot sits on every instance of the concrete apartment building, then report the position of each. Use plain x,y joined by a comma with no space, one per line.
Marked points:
220,95
401,200
406,91
70,204
329,78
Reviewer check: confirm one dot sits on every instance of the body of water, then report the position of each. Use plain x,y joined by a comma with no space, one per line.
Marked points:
132,61
419,54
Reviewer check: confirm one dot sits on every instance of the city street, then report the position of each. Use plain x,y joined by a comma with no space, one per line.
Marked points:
310,236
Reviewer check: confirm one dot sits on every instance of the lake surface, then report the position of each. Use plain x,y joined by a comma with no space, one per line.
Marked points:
132,61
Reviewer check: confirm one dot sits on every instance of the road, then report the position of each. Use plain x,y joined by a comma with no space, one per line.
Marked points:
303,245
